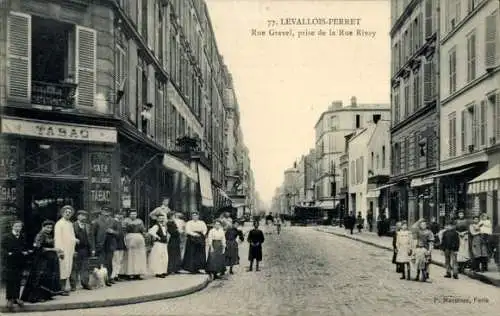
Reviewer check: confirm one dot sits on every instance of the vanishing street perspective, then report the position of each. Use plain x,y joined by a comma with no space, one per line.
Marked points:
162,157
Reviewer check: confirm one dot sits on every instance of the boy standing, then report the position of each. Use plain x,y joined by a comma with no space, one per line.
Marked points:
14,248
255,238
450,243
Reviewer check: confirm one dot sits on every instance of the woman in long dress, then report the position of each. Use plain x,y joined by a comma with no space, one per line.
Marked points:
463,255
232,251
135,256
158,257
403,250
195,253
43,281
479,248
174,246
216,240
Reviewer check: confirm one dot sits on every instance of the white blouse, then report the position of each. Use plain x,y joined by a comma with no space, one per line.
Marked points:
154,230
216,234
486,227
196,226
181,225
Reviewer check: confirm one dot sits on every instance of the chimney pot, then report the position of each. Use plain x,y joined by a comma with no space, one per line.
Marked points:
353,101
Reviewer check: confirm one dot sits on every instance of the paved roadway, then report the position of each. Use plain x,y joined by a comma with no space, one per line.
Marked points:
306,272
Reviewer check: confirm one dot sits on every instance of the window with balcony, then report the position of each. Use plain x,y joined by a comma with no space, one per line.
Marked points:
452,134
452,71
471,56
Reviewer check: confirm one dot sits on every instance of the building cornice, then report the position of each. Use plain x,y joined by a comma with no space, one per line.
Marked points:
428,108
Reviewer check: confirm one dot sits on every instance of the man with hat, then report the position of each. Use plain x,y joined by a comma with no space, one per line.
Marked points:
65,239
104,231
83,250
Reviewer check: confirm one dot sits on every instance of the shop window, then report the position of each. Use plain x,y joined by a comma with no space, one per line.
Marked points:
53,159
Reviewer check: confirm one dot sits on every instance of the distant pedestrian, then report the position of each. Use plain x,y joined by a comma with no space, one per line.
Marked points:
119,253
369,219
486,230
350,222
450,243
403,250
360,222
15,250
394,247
255,239
277,222
135,256
104,231
232,251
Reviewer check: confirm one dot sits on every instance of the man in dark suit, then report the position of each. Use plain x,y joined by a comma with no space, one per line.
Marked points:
83,250
15,251
104,232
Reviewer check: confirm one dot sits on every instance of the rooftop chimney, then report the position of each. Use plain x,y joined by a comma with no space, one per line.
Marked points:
354,102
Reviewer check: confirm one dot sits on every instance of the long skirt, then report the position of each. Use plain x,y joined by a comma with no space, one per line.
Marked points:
216,262
463,254
479,246
232,253
402,255
44,278
118,266
421,259
195,254
158,259
135,256
255,253
174,255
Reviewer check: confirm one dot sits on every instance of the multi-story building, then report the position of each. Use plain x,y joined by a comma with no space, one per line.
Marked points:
101,101
291,189
310,175
414,127
301,169
331,128
368,150
470,105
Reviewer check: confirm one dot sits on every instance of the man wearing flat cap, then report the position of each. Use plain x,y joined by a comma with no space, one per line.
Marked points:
83,250
65,239
104,231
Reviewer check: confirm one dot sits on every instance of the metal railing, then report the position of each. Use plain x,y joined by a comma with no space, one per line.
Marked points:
61,95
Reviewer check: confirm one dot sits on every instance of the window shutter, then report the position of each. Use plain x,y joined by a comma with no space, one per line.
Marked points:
132,79
428,17
497,108
19,56
139,102
450,136
463,131
492,47
151,23
482,122
475,126
428,81
86,42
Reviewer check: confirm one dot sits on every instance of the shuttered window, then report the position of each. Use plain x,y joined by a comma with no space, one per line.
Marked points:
417,94
429,81
471,56
463,131
416,149
475,126
407,98
86,43
19,56
452,134
428,17
482,123
121,78
496,103
492,42
132,83
452,70
407,154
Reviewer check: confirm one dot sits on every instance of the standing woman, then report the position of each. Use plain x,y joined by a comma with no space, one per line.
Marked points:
479,247
174,246
216,262
403,247
195,254
232,252
394,247
135,261
43,282
158,257
463,255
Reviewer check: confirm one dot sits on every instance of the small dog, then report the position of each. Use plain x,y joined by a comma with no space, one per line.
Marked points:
98,277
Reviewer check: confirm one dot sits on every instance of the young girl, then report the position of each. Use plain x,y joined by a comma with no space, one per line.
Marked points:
403,250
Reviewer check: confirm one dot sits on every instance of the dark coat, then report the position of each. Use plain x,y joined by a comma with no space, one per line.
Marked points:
451,240
85,236
103,240
15,246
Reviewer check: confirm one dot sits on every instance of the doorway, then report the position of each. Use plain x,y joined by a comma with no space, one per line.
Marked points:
43,198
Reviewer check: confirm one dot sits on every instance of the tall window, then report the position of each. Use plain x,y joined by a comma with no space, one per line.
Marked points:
407,99
159,33
471,56
463,131
492,49
452,12
417,91
121,73
372,161
452,70
383,156
396,104
452,134
482,123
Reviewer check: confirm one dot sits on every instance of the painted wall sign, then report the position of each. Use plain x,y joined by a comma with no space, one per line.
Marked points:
52,130
7,192
100,179
8,161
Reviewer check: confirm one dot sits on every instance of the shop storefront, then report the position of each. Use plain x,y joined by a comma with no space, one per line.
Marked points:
423,194
49,164
400,203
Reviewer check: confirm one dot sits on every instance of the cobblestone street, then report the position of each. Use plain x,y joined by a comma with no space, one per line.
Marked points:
306,272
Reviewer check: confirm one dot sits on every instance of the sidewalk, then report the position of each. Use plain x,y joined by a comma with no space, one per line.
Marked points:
122,293
491,277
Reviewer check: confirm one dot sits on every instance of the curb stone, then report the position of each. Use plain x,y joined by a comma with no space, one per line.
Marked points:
470,274
109,302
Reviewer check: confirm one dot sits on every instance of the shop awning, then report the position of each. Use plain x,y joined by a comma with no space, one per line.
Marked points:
175,164
486,182
418,182
207,198
329,204
444,173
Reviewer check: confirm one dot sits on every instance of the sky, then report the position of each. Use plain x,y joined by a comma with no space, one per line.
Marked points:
283,84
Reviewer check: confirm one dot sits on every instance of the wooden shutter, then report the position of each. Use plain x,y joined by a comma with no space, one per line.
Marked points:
463,131
450,136
492,43
482,123
132,82
475,118
428,81
19,56
497,109
86,41
139,102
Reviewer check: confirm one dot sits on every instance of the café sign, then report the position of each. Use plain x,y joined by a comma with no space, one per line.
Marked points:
46,129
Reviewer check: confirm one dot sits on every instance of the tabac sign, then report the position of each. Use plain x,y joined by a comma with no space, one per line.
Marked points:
46,129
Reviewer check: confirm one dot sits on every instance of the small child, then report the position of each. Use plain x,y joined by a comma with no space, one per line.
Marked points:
255,238
14,246
403,250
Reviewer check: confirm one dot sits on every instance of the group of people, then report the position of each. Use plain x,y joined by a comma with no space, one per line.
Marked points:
64,251
351,221
463,242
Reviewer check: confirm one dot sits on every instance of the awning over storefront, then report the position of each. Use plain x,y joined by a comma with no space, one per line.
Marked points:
172,163
444,173
383,187
373,194
486,182
329,204
418,182
207,198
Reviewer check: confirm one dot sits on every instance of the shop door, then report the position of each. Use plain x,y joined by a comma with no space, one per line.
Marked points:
45,197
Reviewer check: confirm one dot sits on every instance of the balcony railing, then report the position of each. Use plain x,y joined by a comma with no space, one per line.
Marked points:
61,95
